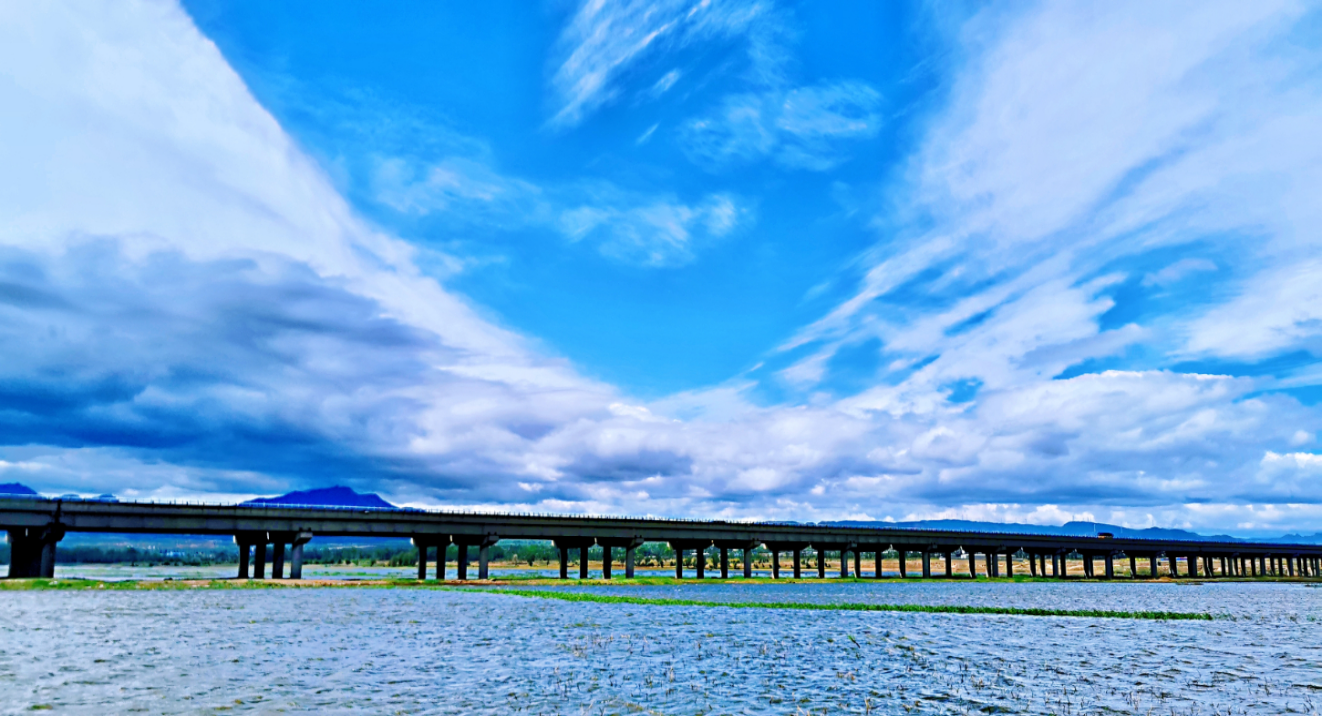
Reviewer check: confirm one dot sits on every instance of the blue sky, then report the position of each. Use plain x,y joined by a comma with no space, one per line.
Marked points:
738,259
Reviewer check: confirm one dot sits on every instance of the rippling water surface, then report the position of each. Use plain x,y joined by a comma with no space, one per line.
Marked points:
375,650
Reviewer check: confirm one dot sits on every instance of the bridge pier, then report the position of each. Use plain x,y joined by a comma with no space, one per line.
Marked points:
798,562
725,562
32,551
1032,565
259,558
748,562
819,557
461,564
564,560
775,564
1110,565
700,561
973,565
876,563
1009,564
628,561
245,551
278,558
927,564
583,560
858,563
606,557
902,551
422,558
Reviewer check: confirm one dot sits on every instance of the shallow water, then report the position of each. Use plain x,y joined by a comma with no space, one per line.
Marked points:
369,650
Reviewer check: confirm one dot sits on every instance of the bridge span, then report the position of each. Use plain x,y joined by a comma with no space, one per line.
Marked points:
36,525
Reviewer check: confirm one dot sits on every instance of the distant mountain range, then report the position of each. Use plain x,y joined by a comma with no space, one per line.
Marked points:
15,488
1072,529
338,496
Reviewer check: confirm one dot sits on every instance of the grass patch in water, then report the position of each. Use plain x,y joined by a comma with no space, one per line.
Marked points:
849,607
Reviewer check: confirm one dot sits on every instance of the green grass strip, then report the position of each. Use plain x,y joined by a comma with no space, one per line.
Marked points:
847,607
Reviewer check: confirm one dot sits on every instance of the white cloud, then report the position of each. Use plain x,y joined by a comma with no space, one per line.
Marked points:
181,289
802,128
605,40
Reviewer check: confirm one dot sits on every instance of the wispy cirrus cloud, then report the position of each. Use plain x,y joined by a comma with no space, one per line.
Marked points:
802,128
605,41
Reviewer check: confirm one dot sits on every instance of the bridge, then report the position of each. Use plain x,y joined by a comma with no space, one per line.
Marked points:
36,525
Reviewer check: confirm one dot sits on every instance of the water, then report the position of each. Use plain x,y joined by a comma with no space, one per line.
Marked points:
372,650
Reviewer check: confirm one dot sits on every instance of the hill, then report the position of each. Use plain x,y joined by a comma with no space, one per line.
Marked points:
338,496
16,488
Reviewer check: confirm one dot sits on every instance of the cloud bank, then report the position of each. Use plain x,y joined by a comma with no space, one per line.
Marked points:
1107,223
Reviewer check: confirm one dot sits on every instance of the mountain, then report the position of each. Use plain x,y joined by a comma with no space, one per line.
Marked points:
15,488
1070,529
338,496
1315,538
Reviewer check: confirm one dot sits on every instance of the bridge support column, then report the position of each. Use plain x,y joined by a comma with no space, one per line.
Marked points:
1192,563
278,558
700,561
628,561
422,559
245,551
950,570
748,563
775,564
844,564
1133,567
973,566
296,554
461,564
903,553
927,564
679,563
564,561
1009,565
798,562
820,557
259,558
858,564
876,563
725,562
583,561
483,561
32,551
1110,566
606,561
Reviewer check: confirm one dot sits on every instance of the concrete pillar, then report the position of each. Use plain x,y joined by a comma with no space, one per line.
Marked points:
564,561
798,562
820,558
973,566
927,565
858,564
1009,565
1110,566
606,561
583,561
296,561
1133,567
628,561
725,563
244,550
775,564
748,563
844,564
950,570
1289,564
679,563
441,555
1152,566
422,560
700,558
278,558
259,559
463,562
876,564
1032,565
903,553
1191,563
483,560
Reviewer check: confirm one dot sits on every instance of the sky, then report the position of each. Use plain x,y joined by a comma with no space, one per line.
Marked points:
739,259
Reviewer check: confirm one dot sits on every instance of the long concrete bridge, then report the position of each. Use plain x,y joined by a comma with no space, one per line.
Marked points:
36,525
